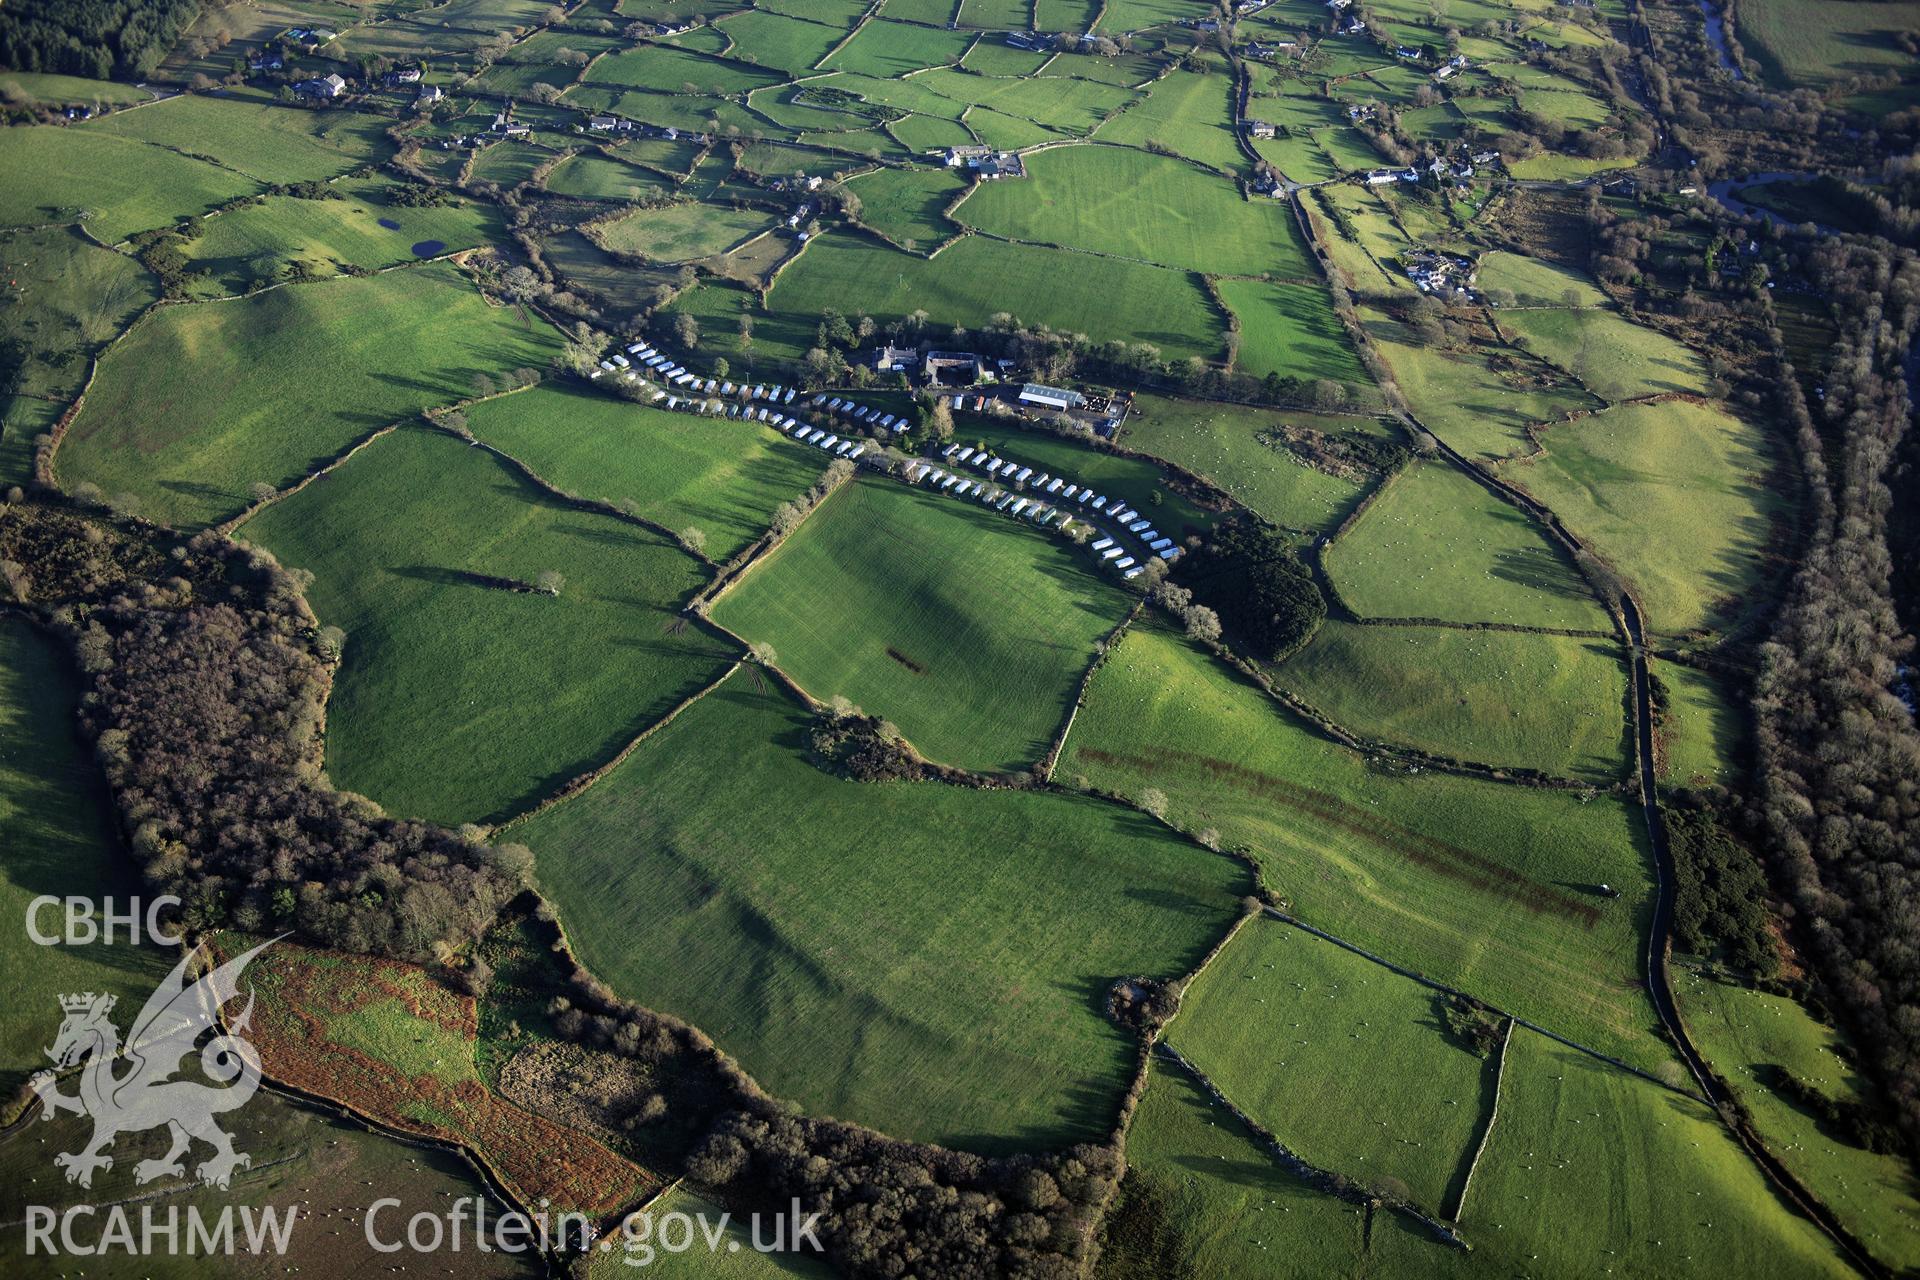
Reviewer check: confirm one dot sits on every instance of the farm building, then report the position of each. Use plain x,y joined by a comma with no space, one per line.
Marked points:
892,359
1054,398
1260,129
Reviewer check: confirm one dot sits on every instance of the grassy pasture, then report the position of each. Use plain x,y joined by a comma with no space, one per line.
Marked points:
1747,1035
58,90
1438,545
1506,698
587,268
57,832
918,957
1009,133
884,49
921,134
670,70
1137,482
908,205
991,56
254,244
1204,1197
200,402
1478,884
593,176
61,172
1279,1021
775,40
508,164
1133,204
721,477
1700,729
1291,330
1186,112
21,419
1589,1167
65,298
1223,443
437,711
1073,106
681,232
1615,358
1476,409
982,603
255,135
1816,42
1536,282
1673,495
976,278
1014,15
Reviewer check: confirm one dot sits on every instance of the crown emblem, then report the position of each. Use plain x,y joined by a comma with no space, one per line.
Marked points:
85,1001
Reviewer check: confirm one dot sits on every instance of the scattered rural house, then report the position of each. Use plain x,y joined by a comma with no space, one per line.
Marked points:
986,162
407,75
1205,26
672,28
1404,52
1026,40
1353,27
327,86
1247,7
892,359
1446,72
1260,129
507,128
1360,111
602,124
1338,5
1376,177
266,62
1271,49
1441,274
429,94
1486,157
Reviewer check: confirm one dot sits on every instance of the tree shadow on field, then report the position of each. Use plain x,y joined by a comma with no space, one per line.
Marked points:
1538,569
195,489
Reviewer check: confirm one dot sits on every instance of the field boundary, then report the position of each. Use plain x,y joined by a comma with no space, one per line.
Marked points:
1100,657
1486,1130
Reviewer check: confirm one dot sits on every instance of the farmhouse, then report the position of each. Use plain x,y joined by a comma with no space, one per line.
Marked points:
892,359
1260,129
429,94
986,162
327,86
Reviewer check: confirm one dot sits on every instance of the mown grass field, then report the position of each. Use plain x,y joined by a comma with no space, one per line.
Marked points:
926,959
1136,481
969,630
1505,698
1291,330
1748,1036
1590,1167
1481,885
1674,496
721,477
1613,357
1133,204
1204,1197
439,710
254,244
56,829
975,279
1282,1021
681,232
200,402
1700,727
72,175
908,206
1438,545
1224,444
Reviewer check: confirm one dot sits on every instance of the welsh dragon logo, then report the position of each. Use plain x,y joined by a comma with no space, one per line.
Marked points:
130,1088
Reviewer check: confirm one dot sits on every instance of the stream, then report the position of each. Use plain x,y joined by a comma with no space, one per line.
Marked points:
1726,192
1717,37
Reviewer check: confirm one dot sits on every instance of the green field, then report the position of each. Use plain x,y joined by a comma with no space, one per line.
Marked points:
1613,357
1589,1167
908,206
1673,495
1482,885
721,477
1185,112
65,299
254,244
774,40
40,86
1224,443
200,402
966,628
437,710
1505,698
1438,545
72,176
597,177
1291,330
21,420
1747,1035
1132,204
1701,727
1534,282
1204,1197
250,133
927,959
1282,1021
669,70
56,829
681,232
1815,42
893,49
975,279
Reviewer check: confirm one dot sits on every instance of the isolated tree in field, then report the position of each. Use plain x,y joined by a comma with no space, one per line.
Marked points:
1203,623
550,581
1154,801
693,539
686,331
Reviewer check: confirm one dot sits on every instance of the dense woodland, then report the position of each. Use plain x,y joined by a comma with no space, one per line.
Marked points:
98,38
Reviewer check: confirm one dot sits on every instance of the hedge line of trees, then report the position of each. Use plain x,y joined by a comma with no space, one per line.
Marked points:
1839,779
102,39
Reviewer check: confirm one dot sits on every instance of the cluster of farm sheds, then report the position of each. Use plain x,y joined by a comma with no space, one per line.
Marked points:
1022,492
